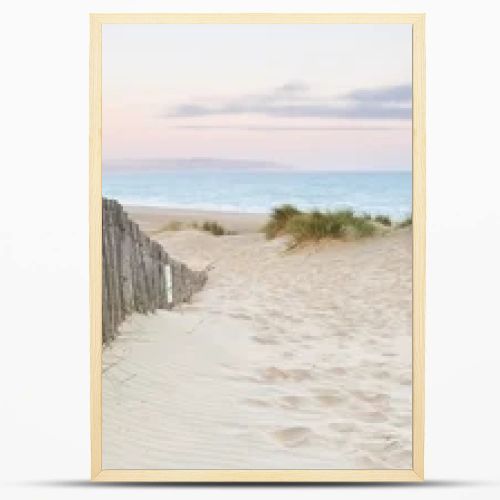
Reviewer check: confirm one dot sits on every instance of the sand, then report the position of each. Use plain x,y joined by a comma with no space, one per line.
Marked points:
287,359
152,219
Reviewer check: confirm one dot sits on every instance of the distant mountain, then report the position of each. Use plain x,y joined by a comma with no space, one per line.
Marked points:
160,164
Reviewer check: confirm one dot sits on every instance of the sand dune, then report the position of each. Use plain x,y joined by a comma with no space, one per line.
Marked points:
287,359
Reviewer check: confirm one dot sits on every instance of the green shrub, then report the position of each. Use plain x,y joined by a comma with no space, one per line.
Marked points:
406,222
173,225
384,220
214,227
279,219
316,225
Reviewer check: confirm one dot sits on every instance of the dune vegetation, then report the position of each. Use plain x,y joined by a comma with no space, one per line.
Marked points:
316,225
215,228
211,227
406,222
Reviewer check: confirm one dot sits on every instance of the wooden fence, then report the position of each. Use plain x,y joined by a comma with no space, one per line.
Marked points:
138,275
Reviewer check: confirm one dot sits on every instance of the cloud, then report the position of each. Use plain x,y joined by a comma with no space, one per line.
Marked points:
396,93
285,128
293,87
294,100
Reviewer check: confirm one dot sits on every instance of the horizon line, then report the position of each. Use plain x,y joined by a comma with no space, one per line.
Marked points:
244,164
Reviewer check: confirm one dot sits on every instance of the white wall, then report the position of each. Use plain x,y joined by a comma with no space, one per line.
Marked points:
43,247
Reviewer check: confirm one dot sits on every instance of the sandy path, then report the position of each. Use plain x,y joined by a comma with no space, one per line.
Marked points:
298,359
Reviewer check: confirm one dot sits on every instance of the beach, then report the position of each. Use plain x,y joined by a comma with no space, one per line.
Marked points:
153,219
287,358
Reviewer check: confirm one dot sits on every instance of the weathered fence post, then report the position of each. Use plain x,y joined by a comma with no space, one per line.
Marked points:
133,272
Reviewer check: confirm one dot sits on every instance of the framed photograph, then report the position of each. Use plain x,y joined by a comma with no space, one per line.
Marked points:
257,247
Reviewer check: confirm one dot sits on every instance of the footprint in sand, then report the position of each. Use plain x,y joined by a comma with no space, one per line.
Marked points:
258,403
382,375
370,397
265,340
299,374
292,402
273,374
328,400
293,436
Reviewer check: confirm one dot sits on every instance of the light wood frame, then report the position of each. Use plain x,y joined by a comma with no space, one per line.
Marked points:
338,475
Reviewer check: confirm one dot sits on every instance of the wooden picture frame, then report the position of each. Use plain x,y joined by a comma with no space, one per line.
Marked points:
416,473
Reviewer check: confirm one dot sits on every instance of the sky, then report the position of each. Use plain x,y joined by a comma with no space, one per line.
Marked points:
327,96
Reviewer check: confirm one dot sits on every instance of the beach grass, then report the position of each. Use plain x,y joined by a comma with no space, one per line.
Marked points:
208,226
406,222
215,228
316,225
279,219
173,225
385,220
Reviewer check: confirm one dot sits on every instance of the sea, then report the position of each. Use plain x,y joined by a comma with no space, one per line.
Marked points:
376,193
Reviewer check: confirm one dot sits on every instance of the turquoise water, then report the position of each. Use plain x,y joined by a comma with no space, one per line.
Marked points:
246,191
